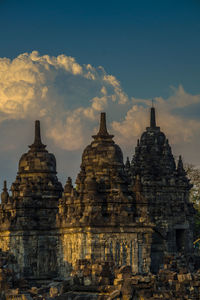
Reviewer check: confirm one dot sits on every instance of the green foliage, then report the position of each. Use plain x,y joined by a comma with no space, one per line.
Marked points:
193,174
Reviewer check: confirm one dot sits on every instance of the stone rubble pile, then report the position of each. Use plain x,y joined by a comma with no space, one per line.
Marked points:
175,281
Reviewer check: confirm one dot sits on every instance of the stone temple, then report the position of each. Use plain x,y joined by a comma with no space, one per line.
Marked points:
134,218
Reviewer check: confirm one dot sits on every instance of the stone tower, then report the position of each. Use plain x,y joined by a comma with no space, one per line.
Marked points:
28,216
98,217
164,191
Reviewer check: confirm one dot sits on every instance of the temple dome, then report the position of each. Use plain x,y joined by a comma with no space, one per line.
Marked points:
102,151
103,159
37,159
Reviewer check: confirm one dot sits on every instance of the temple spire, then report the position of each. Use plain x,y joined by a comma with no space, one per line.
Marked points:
4,194
103,133
5,186
153,118
102,128
180,167
37,141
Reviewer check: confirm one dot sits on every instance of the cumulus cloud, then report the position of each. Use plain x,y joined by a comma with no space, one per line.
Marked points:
68,97
177,127
57,89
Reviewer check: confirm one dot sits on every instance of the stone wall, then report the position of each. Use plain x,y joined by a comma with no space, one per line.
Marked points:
123,247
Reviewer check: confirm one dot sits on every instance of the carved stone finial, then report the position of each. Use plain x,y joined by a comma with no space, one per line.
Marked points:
180,162
4,194
102,128
37,140
37,144
5,186
153,118
180,168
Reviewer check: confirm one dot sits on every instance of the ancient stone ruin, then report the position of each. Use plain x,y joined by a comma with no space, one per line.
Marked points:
124,231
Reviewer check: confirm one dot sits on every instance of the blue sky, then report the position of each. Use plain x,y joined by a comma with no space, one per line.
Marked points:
83,57
147,45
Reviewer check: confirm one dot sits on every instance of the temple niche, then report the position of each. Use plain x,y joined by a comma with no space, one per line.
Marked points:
116,216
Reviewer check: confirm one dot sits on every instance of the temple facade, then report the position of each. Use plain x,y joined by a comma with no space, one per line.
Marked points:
116,215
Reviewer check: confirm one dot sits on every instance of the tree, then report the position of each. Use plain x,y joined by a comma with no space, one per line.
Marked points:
193,174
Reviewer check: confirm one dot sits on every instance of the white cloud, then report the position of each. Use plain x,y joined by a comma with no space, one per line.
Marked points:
177,127
181,98
68,98
68,135
58,90
181,129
